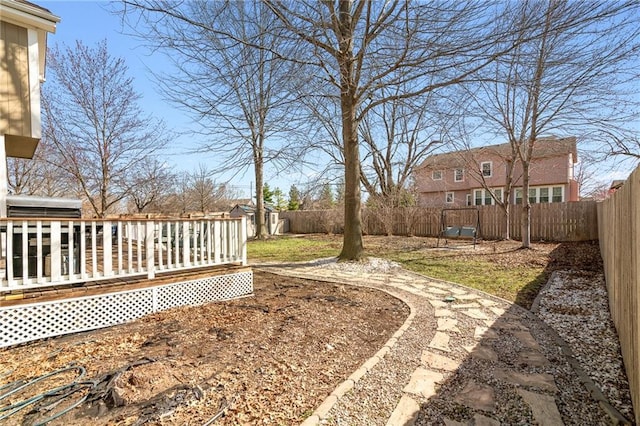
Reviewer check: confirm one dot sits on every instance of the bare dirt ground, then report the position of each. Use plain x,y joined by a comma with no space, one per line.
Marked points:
267,359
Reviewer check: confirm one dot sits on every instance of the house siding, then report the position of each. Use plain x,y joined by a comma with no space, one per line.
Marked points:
15,111
548,171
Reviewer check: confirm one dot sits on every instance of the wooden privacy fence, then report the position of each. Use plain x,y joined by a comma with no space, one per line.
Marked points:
549,222
619,220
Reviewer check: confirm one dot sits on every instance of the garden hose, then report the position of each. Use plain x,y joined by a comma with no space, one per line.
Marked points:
71,388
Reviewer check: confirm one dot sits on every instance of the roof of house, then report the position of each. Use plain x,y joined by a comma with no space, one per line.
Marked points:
543,148
250,208
28,3
23,11
616,184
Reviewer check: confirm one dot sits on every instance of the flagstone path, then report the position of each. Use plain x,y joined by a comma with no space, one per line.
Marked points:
462,357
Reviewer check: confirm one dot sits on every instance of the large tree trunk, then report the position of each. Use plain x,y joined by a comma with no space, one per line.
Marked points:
261,231
352,247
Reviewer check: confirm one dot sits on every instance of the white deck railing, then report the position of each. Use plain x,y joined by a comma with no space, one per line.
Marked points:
53,252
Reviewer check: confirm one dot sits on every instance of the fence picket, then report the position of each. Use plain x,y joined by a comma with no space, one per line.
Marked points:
619,235
549,222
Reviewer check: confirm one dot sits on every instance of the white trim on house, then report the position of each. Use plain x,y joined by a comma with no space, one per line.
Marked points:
24,14
34,82
539,195
3,178
570,170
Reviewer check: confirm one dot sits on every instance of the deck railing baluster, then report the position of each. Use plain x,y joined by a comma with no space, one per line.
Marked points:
48,252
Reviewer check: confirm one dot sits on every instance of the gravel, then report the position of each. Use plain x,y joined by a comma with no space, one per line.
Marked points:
574,306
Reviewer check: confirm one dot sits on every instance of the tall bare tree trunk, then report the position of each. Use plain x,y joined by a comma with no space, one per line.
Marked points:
507,218
261,230
526,207
352,247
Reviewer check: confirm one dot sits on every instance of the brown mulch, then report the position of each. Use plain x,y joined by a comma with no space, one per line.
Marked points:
268,359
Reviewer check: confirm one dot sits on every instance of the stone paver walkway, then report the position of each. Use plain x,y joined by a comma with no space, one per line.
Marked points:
472,327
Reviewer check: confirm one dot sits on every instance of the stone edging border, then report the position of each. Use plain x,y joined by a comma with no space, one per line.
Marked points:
323,409
616,417
320,413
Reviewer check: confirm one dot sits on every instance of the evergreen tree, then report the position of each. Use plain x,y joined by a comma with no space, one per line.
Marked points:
294,198
326,197
267,194
278,200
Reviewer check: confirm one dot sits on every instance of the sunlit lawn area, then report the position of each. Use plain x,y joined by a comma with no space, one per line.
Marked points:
505,282
292,249
497,268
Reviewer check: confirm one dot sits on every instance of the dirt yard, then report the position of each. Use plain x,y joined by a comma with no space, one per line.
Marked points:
267,359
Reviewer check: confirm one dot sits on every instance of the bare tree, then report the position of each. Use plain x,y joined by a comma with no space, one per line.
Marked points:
151,182
566,74
39,176
359,48
204,193
228,77
22,175
622,144
92,119
396,137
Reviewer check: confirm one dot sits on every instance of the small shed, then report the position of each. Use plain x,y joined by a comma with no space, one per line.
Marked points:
271,218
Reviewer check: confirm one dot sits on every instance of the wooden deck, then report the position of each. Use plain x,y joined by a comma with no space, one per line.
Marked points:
93,288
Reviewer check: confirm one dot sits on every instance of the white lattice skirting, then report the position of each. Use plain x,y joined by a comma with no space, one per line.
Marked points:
24,323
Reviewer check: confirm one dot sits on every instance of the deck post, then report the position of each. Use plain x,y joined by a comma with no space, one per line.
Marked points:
243,239
148,244
56,252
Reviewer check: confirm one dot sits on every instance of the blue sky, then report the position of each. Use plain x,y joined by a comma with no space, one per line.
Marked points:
90,22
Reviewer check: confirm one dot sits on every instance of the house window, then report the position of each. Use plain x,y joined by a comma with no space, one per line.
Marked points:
458,175
482,197
436,175
477,197
449,197
544,195
518,196
468,199
486,168
557,194
488,200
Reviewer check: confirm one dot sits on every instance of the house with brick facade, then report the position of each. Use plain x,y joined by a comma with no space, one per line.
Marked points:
469,177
